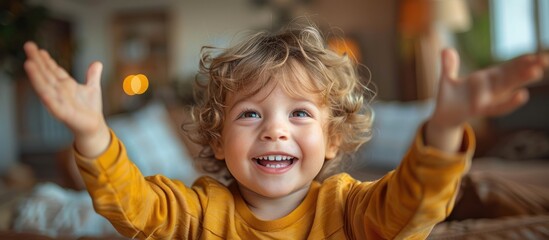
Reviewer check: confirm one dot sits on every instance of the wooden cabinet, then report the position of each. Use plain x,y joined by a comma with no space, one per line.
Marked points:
140,47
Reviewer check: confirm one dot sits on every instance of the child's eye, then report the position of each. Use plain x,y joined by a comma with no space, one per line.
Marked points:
249,114
300,114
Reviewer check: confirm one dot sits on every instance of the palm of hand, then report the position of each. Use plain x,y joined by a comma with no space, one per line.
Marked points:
76,105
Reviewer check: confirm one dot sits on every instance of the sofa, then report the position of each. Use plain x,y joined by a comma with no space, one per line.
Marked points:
505,195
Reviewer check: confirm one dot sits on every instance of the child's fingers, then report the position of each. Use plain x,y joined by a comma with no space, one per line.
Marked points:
544,59
94,74
37,79
52,66
34,54
518,72
46,91
516,100
48,75
44,63
450,64
527,67
53,96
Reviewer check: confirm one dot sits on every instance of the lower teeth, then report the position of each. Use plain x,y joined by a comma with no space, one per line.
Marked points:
275,165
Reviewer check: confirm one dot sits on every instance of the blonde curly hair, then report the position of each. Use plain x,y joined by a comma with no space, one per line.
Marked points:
247,67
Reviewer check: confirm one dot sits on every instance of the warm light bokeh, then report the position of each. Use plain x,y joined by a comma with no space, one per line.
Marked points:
345,46
135,84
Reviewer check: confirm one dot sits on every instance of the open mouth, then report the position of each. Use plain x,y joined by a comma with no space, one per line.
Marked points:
275,161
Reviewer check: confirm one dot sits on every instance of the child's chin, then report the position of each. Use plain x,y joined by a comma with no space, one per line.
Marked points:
279,192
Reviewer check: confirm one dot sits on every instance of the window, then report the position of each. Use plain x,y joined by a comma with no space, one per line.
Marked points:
514,27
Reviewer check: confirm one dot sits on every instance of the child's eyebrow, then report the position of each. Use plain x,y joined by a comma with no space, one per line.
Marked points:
305,100
314,103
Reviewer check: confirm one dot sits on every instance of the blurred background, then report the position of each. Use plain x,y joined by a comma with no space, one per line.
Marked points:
399,41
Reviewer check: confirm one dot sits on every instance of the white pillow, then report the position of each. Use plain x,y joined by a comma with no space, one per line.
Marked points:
152,144
395,125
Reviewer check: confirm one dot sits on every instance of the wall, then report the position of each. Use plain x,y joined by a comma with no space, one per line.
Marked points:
200,22
374,23
193,24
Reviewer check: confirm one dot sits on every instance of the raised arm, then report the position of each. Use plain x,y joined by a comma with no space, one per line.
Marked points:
408,202
138,207
494,91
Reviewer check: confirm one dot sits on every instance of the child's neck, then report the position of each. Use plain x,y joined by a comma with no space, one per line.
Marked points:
267,208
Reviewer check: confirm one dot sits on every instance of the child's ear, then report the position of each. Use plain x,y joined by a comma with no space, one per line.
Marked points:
333,147
217,148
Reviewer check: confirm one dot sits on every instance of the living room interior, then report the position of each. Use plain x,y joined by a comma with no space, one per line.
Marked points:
398,41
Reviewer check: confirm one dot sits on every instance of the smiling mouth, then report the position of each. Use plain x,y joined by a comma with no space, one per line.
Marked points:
275,161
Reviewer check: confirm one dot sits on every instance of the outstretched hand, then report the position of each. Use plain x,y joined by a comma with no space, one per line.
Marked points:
493,91
78,106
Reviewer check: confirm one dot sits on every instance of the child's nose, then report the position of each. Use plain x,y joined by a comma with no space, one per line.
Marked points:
275,131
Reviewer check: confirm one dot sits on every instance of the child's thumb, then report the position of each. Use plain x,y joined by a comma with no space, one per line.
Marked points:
94,74
450,64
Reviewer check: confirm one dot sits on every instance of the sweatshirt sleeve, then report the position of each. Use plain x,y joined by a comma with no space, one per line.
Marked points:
409,201
138,206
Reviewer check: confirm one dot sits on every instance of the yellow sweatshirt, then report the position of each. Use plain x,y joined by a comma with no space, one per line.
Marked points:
405,204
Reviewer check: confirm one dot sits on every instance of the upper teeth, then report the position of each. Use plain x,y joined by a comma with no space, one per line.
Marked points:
275,158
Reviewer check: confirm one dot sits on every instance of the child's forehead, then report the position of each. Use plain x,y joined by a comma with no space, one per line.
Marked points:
296,94
295,81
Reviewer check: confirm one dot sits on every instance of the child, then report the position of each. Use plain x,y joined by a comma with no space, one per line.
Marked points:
278,108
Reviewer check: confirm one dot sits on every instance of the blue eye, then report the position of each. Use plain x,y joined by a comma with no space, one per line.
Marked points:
249,114
300,114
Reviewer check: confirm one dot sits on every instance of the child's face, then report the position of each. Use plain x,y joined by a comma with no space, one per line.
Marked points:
274,144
